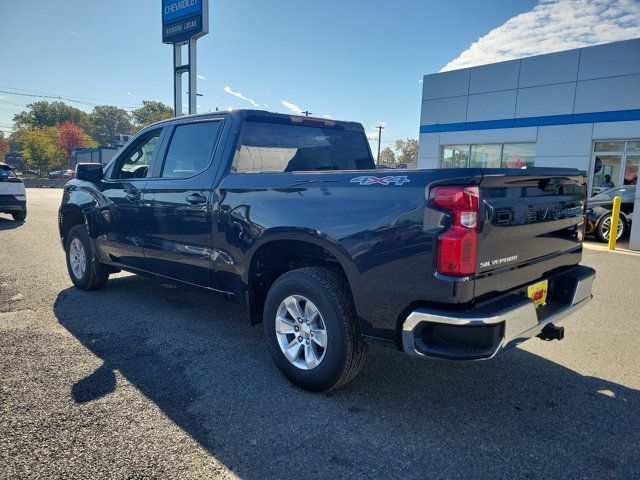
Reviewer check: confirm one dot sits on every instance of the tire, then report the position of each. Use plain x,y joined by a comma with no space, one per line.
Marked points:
604,225
343,354
19,216
93,275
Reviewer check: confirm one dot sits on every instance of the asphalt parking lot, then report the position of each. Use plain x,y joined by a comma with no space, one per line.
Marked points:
141,380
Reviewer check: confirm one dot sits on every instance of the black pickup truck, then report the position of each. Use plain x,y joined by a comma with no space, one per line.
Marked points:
287,216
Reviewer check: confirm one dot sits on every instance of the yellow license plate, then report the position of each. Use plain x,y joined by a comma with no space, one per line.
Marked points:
538,292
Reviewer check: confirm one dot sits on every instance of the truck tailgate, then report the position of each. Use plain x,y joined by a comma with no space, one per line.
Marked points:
532,224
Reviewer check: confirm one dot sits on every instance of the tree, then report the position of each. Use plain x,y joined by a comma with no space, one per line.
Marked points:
408,151
150,112
40,149
89,142
387,157
4,147
50,114
109,122
70,136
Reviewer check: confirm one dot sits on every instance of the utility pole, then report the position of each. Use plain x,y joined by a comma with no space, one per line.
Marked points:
379,127
307,113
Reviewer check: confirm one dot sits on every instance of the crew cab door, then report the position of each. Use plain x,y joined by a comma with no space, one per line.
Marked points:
121,238
177,203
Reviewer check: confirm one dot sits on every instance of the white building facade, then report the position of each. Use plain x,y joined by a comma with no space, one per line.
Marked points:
577,108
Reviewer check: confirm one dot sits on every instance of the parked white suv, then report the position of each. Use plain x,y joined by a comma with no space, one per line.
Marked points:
13,197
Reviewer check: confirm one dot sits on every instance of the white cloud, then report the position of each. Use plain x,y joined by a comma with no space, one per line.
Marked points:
326,116
372,134
129,94
291,106
76,34
202,77
551,26
239,95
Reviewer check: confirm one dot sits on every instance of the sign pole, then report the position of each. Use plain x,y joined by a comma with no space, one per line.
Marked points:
183,22
193,78
177,80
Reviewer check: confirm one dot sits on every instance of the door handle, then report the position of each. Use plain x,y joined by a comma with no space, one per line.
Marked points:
132,194
196,198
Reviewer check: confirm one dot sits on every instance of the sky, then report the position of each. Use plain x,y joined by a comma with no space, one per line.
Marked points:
344,59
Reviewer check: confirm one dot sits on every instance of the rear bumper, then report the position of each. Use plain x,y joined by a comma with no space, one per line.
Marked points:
493,326
9,203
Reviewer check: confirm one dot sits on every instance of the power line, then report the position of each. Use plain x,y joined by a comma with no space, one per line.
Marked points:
11,103
56,95
60,97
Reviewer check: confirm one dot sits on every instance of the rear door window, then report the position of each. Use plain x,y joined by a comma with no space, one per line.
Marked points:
191,149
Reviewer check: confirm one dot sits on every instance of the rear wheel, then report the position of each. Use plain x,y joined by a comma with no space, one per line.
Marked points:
19,216
603,231
311,329
84,269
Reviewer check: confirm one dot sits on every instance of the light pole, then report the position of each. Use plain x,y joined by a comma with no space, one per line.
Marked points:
379,127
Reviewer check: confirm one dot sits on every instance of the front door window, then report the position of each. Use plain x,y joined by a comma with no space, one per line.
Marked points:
136,162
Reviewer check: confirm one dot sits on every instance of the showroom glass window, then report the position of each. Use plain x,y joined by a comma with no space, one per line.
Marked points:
485,156
619,159
495,155
454,156
518,155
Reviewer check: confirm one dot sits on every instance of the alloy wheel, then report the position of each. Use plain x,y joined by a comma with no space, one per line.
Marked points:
606,228
301,332
77,258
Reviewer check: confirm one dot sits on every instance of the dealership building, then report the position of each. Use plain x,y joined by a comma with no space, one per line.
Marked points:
576,108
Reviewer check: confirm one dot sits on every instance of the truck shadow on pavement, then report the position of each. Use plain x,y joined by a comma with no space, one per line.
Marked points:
9,223
194,356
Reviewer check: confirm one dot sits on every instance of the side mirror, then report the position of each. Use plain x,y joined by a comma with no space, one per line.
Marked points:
89,172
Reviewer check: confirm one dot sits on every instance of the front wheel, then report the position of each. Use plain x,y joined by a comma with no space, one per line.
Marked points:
311,329
603,232
84,269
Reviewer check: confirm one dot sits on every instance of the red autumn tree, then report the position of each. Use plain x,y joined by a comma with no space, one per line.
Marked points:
4,148
70,136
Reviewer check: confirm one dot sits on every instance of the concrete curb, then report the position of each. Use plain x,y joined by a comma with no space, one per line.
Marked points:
605,248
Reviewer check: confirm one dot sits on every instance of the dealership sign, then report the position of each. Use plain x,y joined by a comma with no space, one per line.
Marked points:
183,20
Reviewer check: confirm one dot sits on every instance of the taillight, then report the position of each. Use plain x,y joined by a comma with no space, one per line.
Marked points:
458,244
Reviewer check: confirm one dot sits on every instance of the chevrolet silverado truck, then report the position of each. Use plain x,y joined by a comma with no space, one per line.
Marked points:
288,217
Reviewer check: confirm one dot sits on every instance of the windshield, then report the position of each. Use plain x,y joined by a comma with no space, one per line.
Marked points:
273,147
624,193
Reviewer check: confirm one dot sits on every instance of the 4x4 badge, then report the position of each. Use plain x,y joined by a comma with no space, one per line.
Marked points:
371,180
